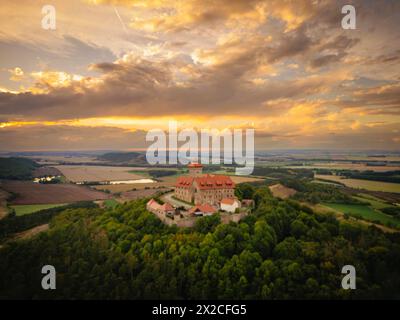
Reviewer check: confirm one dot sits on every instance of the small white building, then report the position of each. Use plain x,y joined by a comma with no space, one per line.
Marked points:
229,204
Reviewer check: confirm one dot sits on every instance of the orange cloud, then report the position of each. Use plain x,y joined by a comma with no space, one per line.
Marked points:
164,15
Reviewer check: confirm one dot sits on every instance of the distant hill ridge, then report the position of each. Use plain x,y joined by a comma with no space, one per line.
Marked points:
123,157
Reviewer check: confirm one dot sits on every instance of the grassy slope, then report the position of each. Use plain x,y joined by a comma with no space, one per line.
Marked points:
373,201
110,203
21,210
365,211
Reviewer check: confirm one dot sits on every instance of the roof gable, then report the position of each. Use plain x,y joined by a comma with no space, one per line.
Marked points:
205,208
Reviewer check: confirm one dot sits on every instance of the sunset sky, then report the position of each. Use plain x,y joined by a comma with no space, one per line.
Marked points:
115,68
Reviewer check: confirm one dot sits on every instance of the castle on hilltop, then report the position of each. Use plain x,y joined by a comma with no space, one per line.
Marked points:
203,189
207,194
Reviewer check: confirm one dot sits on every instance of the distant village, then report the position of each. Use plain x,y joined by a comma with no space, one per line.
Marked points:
196,195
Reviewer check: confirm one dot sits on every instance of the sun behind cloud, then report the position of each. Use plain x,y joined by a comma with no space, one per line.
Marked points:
285,67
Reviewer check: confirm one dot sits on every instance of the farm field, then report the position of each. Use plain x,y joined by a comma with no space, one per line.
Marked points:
243,179
339,215
113,188
144,193
346,166
369,158
373,201
23,209
364,211
35,193
363,184
47,159
99,173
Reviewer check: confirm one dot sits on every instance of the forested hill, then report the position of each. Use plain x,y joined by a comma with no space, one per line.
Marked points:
17,168
282,251
123,157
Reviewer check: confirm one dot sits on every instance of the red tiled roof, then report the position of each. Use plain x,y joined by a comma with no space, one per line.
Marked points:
167,207
184,181
206,182
214,182
151,201
153,204
156,206
205,208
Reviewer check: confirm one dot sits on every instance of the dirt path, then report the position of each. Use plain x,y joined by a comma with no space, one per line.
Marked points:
3,211
3,203
30,232
168,197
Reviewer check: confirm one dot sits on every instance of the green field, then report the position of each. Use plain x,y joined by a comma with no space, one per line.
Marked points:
365,211
147,173
373,201
21,210
110,203
143,173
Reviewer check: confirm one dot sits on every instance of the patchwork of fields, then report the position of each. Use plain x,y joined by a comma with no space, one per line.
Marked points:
28,197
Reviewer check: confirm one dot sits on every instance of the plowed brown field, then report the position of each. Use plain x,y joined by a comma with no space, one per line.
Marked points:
35,193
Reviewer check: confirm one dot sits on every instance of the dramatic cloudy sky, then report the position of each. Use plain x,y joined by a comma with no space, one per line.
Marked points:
115,68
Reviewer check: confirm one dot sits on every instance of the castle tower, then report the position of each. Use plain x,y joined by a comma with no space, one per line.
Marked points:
195,169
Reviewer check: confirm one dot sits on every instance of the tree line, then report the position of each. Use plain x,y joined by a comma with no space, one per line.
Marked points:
283,250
